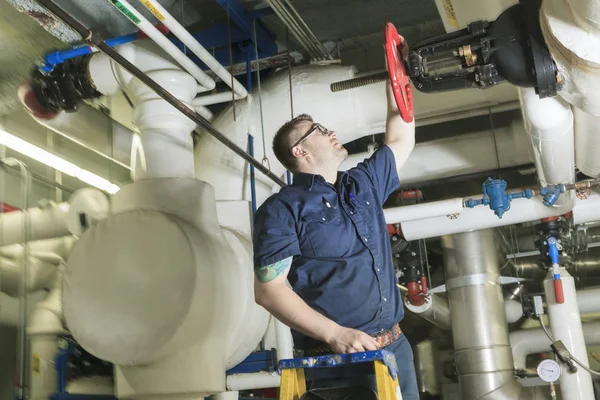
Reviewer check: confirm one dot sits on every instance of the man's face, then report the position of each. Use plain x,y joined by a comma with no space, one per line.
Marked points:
322,144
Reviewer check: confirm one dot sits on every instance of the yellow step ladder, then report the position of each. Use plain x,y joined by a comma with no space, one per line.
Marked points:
293,380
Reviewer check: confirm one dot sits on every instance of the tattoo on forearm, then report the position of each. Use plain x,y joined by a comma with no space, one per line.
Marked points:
268,273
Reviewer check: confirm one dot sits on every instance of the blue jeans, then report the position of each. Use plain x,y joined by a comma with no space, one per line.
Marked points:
362,375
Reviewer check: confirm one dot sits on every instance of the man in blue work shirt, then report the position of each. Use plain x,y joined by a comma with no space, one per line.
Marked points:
327,235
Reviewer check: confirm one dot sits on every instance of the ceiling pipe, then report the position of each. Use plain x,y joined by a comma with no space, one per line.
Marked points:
464,154
188,40
129,69
161,40
482,354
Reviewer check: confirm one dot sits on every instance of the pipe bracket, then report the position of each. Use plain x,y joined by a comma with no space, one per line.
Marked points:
472,280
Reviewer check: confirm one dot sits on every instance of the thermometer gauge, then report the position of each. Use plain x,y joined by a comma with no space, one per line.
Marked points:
549,371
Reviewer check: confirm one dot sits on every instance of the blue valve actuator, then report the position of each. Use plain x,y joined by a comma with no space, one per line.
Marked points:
494,195
553,250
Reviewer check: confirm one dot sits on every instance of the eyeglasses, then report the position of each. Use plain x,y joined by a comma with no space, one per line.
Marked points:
313,127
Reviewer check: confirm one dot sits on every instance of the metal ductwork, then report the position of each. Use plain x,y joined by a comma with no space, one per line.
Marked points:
482,351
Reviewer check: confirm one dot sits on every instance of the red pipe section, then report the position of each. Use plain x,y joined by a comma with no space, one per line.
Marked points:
558,291
414,294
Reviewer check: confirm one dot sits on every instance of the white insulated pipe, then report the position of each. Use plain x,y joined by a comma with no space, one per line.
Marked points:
285,342
44,330
223,97
44,223
187,39
83,127
587,143
571,30
533,341
481,217
204,112
565,324
464,154
397,215
587,210
161,40
258,380
549,123
164,147
437,311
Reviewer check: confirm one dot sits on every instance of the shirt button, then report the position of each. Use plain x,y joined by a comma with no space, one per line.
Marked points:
368,203
377,269
366,240
351,212
323,219
384,299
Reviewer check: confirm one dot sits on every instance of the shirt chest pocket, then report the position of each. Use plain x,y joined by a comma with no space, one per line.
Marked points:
326,234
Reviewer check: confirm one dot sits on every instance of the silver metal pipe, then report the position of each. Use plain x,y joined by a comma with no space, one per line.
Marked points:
482,352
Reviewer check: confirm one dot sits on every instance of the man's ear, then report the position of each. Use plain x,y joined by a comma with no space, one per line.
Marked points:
299,152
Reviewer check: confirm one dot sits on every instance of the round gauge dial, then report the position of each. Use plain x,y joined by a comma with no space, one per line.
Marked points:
549,370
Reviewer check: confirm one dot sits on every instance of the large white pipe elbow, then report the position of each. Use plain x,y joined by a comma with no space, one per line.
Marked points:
571,30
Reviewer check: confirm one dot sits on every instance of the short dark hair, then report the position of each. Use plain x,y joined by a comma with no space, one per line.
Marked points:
283,140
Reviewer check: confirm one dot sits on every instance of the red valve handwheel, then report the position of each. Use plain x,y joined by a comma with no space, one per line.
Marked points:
396,51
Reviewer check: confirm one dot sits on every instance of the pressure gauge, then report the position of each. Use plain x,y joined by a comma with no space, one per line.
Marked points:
549,371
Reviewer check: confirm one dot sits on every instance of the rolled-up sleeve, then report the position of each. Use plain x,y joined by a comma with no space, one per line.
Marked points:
274,236
381,170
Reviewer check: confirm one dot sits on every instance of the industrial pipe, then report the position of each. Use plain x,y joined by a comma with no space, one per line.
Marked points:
45,329
223,97
160,39
549,123
45,223
464,154
482,349
522,210
188,40
82,127
397,215
565,324
587,143
258,380
571,30
534,341
164,94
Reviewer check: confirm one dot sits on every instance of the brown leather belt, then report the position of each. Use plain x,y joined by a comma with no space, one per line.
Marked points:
384,339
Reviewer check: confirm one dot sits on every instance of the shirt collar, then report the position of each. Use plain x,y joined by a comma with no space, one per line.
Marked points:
306,181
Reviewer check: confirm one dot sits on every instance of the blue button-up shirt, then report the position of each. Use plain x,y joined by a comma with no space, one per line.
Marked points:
337,234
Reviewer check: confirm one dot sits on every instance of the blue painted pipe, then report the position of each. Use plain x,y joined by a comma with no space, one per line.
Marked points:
58,57
252,180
